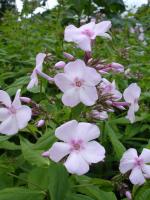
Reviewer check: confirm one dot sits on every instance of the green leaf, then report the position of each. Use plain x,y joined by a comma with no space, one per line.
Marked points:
78,197
9,145
38,178
58,182
31,155
20,194
117,145
143,193
96,193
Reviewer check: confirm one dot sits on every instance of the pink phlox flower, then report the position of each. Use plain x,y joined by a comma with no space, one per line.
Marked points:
78,84
13,115
77,146
138,166
84,35
131,96
39,66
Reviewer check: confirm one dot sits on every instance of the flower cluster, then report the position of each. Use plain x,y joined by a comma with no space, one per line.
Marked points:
81,81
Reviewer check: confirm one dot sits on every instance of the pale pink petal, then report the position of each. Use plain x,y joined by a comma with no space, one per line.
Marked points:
128,160
75,69
71,97
93,152
84,43
88,95
34,80
126,165
130,114
105,35
4,98
4,114
23,116
132,93
71,33
60,64
67,131
58,151
146,170
145,155
75,164
9,126
88,26
102,27
87,131
94,79
136,177
17,102
62,81
39,60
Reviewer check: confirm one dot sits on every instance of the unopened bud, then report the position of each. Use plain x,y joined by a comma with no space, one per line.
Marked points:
68,56
60,64
40,123
128,195
99,115
116,67
25,99
45,154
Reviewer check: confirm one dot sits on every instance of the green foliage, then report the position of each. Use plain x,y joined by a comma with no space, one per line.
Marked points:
24,173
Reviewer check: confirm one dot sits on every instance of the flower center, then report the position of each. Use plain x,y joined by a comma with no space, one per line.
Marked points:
88,32
12,110
78,83
76,145
138,162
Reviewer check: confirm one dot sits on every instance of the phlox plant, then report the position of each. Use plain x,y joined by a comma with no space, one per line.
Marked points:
67,158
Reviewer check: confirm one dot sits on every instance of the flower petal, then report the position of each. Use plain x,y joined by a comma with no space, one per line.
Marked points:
71,33
16,102
71,97
136,177
39,60
75,164
75,69
62,81
93,152
145,155
4,114
4,98
58,151
87,131
9,126
91,76
34,80
130,114
23,116
88,95
128,160
67,131
146,170
132,93
84,43
102,27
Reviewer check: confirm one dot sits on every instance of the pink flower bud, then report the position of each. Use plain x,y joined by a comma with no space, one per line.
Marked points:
68,56
40,123
25,99
103,72
99,115
60,64
116,67
128,195
45,154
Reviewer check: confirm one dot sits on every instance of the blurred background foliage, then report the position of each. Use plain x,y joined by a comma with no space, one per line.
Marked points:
22,36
